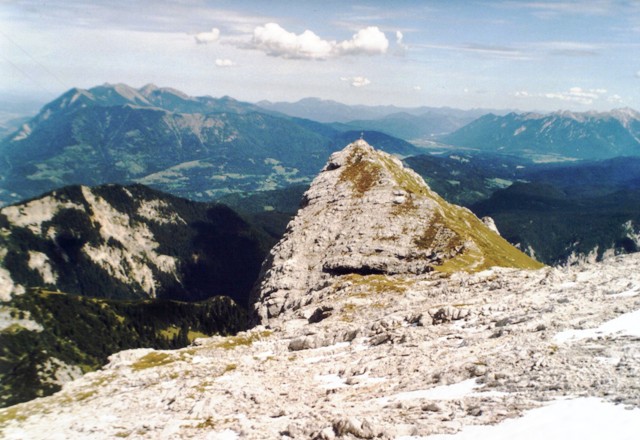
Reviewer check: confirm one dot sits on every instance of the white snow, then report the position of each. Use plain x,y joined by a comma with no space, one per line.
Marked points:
585,419
227,434
442,392
627,324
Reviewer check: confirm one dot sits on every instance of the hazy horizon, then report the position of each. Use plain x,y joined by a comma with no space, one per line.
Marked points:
497,54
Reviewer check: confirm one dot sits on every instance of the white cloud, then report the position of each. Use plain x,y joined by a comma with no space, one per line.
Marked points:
578,95
574,94
224,63
356,81
402,48
638,74
569,48
207,37
367,41
276,41
615,99
500,52
554,9
417,88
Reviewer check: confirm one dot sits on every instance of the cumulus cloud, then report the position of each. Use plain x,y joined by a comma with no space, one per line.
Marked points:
368,41
276,41
207,37
224,63
356,81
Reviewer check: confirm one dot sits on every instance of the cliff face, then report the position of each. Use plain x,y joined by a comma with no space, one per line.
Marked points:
365,214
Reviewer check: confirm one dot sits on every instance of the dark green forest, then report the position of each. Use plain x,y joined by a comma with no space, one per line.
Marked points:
84,332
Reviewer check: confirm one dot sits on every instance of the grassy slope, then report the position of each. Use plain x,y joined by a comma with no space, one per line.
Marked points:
489,248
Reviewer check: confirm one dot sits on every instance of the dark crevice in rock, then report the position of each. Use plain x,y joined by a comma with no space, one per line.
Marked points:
350,270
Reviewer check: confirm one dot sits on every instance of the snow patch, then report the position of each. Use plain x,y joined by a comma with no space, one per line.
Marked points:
627,324
519,130
585,419
442,392
227,434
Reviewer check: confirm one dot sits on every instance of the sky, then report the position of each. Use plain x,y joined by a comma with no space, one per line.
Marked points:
539,55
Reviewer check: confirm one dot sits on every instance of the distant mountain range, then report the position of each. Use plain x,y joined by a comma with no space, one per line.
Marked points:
322,110
203,148
412,124
195,147
554,137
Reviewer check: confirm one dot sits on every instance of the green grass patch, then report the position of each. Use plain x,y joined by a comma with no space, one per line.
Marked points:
229,368
360,172
231,342
151,360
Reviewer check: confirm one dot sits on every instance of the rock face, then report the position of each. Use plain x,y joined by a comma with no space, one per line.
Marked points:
365,214
128,242
383,358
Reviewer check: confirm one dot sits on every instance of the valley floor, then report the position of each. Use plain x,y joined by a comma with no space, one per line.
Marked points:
552,353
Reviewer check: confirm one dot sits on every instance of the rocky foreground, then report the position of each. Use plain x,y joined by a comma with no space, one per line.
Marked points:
384,312
372,362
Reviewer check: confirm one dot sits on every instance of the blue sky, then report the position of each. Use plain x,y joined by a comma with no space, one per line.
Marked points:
529,55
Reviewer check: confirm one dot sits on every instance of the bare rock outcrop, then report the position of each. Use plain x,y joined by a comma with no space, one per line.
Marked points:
366,214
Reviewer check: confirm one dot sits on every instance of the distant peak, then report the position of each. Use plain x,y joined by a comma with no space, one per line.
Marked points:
148,88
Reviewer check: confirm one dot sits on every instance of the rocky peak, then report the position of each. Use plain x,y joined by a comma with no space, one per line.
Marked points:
367,215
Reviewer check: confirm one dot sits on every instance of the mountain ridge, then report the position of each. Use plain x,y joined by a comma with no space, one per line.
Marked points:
556,136
193,147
